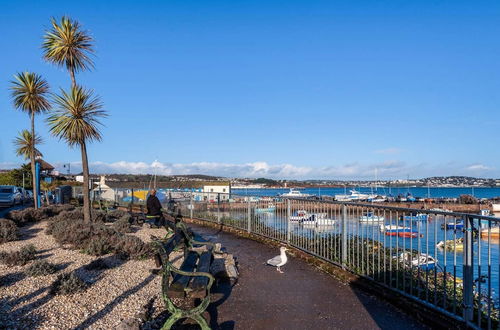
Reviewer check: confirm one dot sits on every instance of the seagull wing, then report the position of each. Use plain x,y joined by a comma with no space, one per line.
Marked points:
274,261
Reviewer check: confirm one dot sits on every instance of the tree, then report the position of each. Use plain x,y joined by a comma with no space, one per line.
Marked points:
24,142
46,187
66,45
76,120
29,91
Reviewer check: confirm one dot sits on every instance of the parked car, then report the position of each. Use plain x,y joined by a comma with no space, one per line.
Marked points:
10,195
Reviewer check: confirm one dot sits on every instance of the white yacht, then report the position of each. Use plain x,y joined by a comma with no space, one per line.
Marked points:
353,196
294,193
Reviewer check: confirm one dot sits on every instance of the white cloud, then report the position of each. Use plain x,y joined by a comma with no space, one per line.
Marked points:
388,151
478,167
247,170
357,171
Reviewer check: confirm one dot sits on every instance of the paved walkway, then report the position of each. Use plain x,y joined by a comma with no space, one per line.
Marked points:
301,298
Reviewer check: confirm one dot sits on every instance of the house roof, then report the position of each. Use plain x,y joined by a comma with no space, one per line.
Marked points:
44,166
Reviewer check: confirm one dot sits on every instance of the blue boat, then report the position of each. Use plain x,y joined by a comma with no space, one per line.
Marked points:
453,225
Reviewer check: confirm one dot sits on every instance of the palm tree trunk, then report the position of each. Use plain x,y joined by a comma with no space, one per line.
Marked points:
86,191
72,75
47,197
32,157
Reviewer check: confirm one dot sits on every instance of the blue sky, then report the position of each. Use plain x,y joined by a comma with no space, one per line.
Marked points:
285,89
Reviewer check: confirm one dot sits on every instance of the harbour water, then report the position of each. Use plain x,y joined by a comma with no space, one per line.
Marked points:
431,192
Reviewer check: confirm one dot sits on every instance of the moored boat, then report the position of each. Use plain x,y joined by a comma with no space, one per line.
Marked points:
457,244
270,208
458,224
394,228
370,217
420,260
416,217
405,234
294,193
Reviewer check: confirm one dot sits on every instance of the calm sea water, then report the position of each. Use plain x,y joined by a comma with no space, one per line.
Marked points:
433,192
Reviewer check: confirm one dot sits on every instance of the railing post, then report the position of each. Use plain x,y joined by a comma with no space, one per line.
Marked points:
288,210
468,271
191,206
218,208
344,236
249,216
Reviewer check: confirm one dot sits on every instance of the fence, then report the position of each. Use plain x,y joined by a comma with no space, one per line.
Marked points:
447,261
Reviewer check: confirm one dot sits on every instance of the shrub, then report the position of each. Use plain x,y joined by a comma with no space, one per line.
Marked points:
68,283
22,217
18,258
134,247
40,268
97,238
8,231
122,225
116,214
98,246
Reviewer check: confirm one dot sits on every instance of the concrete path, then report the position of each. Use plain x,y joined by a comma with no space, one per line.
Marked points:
301,298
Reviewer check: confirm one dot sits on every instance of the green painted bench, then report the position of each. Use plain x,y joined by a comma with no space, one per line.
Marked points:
192,280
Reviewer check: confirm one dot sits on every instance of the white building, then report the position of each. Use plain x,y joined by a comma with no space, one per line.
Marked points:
212,192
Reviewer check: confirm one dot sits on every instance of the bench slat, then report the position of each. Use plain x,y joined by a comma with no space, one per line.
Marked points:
199,284
180,282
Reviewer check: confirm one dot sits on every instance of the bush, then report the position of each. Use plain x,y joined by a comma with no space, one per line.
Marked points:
99,246
122,225
97,238
98,216
68,283
18,258
134,247
8,231
116,214
28,215
40,268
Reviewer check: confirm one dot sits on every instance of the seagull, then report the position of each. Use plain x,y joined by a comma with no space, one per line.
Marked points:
280,260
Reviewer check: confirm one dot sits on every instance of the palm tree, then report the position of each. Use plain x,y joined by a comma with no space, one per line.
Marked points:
48,186
24,142
76,121
29,92
66,45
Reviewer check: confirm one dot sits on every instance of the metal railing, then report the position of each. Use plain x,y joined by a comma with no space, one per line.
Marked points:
447,261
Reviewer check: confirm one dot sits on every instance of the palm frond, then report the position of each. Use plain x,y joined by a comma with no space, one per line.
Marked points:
76,118
66,45
23,144
29,91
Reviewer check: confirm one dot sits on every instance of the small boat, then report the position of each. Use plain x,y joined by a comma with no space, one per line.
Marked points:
294,193
319,219
405,234
458,224
370,217
299,215
394,228
270,208
457,244
421,260
416,217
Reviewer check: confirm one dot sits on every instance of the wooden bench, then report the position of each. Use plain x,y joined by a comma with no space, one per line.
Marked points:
192,280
